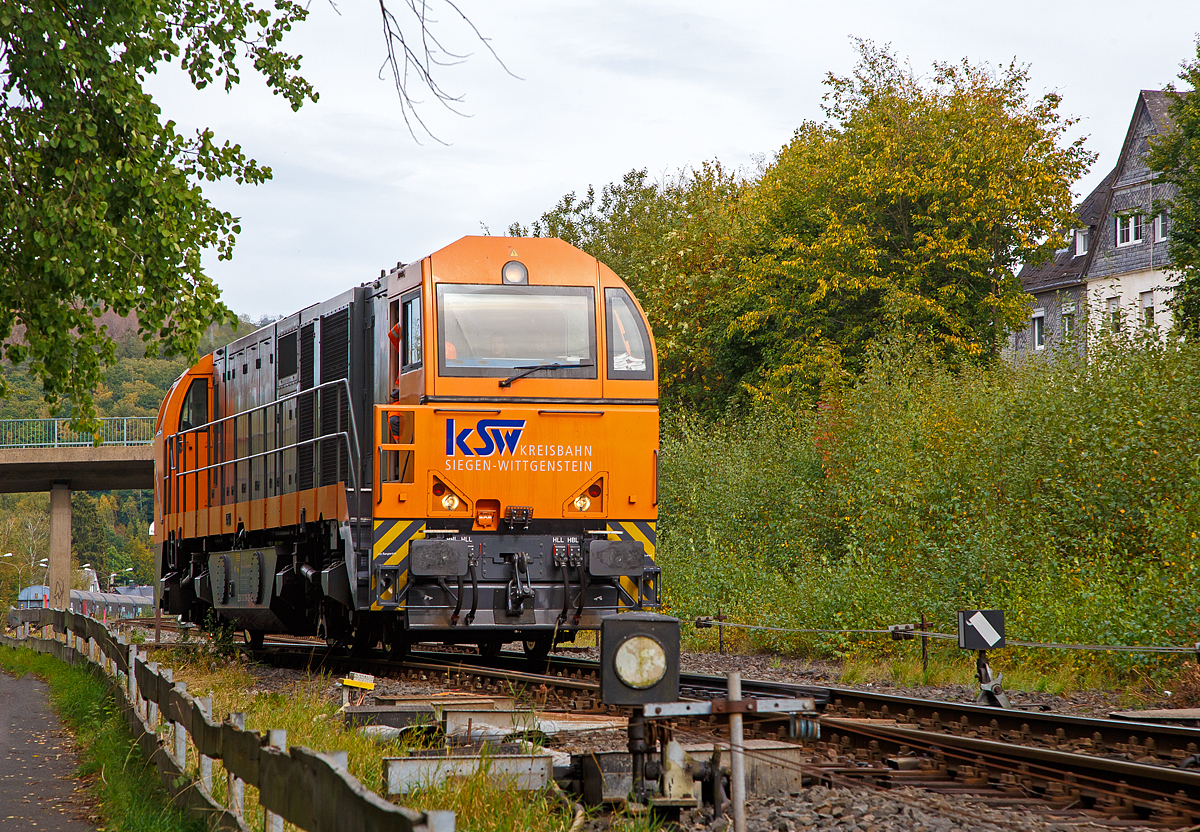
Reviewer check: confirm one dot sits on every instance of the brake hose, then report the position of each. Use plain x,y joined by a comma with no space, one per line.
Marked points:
474,596
566,576
583,589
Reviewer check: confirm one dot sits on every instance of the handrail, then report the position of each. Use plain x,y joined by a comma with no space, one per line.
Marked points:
345,382
353,448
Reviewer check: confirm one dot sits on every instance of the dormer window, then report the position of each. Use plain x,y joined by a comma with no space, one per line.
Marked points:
1081,241
1129,229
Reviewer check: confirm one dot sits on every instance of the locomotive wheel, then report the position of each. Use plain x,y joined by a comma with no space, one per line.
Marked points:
537,649
254,638
490,649
335,632
366,636
396,641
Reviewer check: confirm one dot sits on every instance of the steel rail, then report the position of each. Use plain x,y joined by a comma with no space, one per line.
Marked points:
1148,786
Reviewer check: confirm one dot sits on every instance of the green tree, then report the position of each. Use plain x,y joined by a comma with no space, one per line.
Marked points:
88,537
101,205
1176,157
675,242
911,207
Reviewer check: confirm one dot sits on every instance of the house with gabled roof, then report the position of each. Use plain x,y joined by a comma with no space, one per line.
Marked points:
1114,266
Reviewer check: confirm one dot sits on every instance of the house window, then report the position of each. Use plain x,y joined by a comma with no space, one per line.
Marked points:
1038,323
1114,315
1160,226
1148,308
1068,320
1129,229
1081,241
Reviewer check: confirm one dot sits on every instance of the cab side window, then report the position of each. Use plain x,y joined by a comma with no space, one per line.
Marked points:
194,413
629,354
411,342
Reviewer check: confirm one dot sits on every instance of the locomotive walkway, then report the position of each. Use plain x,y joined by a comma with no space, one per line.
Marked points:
46,455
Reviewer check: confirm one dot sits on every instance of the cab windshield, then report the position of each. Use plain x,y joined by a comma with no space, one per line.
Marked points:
492,330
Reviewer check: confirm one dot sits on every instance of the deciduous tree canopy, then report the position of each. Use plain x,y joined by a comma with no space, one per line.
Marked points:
913,206
100,200
910,207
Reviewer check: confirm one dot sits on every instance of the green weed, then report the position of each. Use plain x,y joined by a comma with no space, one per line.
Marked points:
1066,493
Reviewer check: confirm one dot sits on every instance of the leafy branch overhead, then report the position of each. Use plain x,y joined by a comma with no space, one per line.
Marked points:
101,205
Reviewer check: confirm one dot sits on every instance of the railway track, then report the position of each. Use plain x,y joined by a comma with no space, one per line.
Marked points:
1124,773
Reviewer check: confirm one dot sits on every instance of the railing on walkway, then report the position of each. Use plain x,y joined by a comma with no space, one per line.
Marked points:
57,433
312,791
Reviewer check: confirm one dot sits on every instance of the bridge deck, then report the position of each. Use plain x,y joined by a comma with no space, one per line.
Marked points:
85,469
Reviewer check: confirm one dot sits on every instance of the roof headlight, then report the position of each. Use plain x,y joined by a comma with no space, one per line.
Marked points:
583,502
450,502
514,273
640,662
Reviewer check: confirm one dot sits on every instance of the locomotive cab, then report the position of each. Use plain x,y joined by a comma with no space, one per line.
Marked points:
519,462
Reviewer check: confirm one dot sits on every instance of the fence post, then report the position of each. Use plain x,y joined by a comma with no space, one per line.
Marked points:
133,689
179,736
205,762
237,789
151,705
276,738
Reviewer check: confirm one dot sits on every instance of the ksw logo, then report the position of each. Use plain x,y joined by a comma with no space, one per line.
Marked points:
498,436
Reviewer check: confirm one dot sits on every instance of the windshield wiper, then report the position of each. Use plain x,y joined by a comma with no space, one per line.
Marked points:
531,370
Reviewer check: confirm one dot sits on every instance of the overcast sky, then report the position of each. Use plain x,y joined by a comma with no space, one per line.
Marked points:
601,88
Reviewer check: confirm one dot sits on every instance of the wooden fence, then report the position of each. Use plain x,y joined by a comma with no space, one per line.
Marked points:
311,790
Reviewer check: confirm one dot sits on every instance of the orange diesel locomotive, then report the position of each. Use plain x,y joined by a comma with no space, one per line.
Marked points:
464,450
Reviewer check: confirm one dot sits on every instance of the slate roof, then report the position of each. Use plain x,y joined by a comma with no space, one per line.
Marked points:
1065,269
1158,103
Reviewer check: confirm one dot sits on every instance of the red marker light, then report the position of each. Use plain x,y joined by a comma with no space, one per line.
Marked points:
594,490
438,489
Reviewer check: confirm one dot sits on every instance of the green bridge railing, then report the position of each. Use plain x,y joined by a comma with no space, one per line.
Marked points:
57,433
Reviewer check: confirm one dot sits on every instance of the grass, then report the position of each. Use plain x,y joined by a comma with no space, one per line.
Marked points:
308,714
132,799
947,667
130,796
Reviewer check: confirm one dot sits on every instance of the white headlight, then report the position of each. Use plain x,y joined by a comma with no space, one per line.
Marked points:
640,662
449,502
583,502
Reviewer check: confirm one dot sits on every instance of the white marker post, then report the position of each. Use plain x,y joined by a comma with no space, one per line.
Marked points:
737,760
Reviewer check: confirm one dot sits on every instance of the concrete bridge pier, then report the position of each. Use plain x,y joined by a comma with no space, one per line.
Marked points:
60,545
61,469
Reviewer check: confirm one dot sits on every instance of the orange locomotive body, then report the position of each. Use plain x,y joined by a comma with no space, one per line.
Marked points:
464,450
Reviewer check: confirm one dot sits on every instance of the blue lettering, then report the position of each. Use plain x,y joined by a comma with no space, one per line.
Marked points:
498,435
461,441
488,446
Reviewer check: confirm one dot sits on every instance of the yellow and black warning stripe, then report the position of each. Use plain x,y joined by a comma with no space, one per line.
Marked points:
642,531
391,549
392,538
